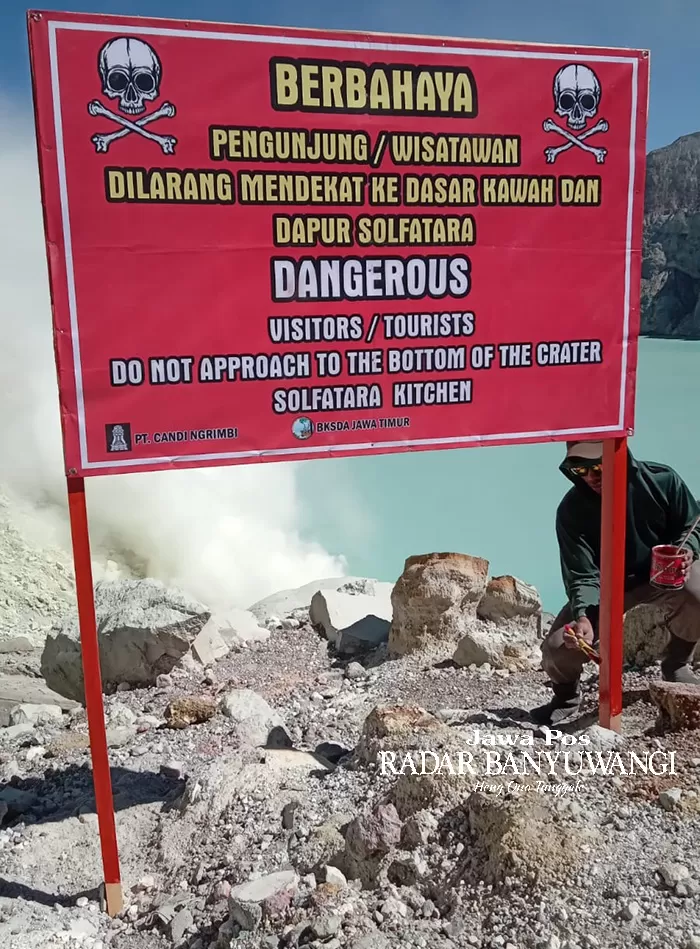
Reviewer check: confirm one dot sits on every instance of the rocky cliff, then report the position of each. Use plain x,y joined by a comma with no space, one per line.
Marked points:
671,261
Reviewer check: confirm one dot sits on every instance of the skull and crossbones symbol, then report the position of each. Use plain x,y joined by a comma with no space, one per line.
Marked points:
577,98
131,73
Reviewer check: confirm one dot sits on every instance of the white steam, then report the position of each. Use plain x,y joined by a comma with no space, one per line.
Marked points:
226,535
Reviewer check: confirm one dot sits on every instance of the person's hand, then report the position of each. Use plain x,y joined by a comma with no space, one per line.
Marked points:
687,562
583,629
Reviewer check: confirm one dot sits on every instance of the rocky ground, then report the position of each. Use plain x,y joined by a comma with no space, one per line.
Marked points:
252,808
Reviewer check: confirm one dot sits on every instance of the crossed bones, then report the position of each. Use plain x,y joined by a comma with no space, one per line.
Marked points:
551,154
102,142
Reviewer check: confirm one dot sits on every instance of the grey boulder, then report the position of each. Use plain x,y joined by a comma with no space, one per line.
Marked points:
144,628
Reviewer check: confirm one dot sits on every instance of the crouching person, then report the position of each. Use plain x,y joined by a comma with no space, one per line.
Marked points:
660,510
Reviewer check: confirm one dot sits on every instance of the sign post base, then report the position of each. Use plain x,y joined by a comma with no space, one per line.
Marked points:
612,581
93,694
114,898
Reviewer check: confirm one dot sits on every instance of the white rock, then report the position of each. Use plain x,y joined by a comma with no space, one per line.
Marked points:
284,759
603,739
209,645
253,717
16,644
494,647
144,629
631,911
673,873
16,731
286,601
36,715
119,715
693,943
120,736
247,902
173,769
355,670
394,907
335,877
351,620
237,628
83,927
670,799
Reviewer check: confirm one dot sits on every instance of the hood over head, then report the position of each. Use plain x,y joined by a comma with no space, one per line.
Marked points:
583,453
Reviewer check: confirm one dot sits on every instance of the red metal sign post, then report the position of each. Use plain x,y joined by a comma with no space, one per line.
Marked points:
102,781
612,580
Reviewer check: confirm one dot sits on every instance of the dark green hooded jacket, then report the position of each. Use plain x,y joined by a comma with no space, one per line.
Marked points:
660,509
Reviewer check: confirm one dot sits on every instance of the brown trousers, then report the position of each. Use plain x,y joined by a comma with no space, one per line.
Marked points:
683,621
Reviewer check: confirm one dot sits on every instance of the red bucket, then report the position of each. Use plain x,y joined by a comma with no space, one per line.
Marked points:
667,563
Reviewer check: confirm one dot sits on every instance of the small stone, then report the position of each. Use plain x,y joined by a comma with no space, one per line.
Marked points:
221,891
631,911
670,799
554,942
673,873
289,815
82,902
335,877
693,943
124,687
181,924
38,751
327,926
164,681
189,710
173,769
120,736
17,731
83,928
120,715
394,907
355,670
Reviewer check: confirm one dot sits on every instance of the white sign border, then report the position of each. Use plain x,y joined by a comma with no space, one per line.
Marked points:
302,40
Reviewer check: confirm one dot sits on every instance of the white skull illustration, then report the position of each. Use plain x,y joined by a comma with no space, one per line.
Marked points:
576,95
131,72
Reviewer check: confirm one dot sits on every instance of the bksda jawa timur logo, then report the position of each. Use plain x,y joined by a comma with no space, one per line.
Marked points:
131,74
577,95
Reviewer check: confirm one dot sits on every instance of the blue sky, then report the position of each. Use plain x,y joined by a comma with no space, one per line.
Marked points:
669,28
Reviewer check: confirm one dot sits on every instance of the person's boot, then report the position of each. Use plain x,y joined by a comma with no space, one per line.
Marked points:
675,665
561,708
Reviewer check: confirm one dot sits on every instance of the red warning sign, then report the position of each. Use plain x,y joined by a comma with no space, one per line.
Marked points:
272,244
